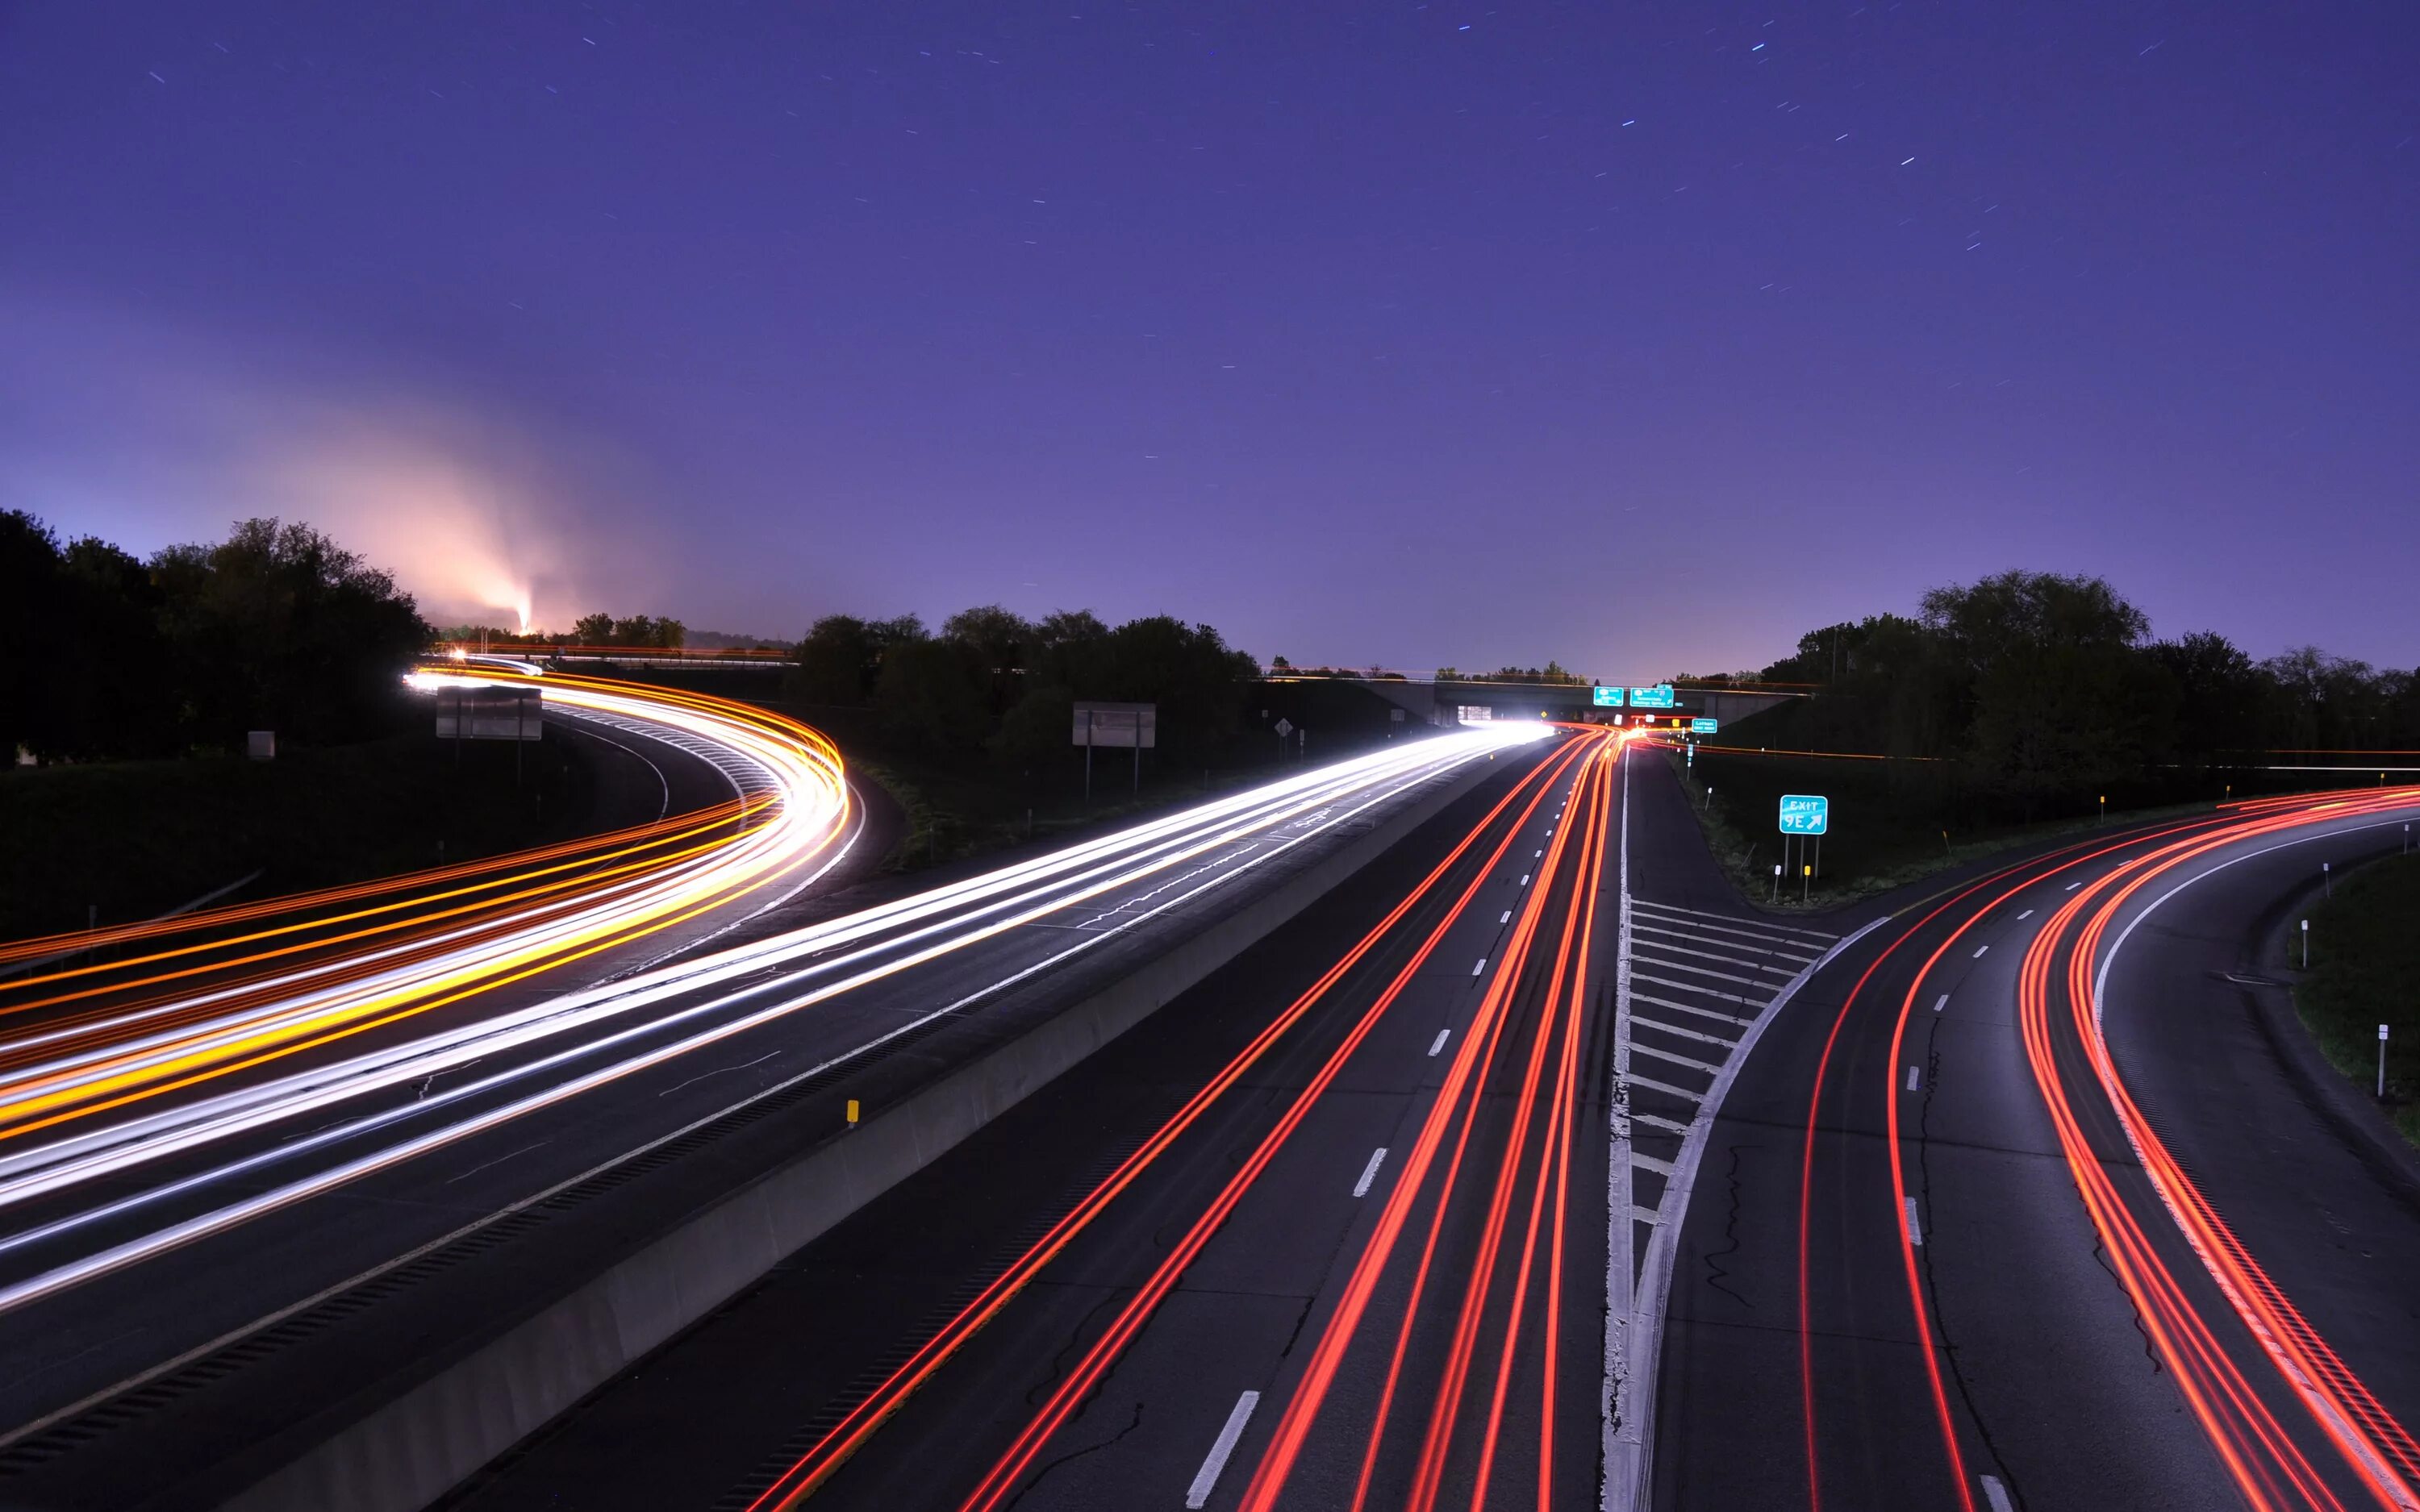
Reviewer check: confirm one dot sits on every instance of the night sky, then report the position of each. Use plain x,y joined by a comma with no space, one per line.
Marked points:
1640,335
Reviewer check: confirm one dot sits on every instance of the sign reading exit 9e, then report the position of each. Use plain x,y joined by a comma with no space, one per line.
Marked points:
1606,697
1658,697
1804,813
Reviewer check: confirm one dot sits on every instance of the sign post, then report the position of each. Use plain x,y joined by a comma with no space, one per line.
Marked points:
1132,725
1805,813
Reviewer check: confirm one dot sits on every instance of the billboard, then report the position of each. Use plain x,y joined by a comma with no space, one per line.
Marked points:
490,713
1117,726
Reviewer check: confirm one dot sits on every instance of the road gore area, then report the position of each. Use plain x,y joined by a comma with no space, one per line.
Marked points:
2366,972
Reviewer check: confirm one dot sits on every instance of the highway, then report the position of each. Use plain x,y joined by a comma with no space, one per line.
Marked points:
1286,1246
255,1173
1527,1165
1357,1175
2037,1198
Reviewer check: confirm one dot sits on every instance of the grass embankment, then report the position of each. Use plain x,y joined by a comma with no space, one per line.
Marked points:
2365,972
134,839
1880,837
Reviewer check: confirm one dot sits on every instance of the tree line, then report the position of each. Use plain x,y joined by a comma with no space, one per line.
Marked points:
109,656
993,683
635,630
2037,689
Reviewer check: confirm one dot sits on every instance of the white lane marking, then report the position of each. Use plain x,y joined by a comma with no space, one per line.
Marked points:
1482,966
1730,920
2072,886
1940,1002
1207,1478
1911,1078
1708,1067
1369,1172
1534,854
1915,1233
1667,1125
2028,914
1525,879
1979,949
1438,1043
1507,918
1661,1027
1997,1495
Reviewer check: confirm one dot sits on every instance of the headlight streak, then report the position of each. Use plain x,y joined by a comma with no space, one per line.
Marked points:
1153,841
809,819
1162,843
826,1455
1000,1484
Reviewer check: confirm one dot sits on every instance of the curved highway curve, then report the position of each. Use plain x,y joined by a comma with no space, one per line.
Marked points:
221,1196
1972,1252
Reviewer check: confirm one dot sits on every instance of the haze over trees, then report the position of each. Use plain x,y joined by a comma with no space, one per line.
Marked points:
276,627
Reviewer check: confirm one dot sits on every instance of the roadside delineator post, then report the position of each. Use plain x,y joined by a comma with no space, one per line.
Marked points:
852,1113
2306,944
2327,880
2382,1063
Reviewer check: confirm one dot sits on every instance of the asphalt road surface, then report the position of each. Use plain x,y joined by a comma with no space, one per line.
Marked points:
194,1296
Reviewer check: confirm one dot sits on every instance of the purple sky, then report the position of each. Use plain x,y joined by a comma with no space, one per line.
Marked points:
1641,335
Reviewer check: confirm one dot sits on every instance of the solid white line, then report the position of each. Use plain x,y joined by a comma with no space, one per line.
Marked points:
1629,1468
1708,1067
1734,920
1624,1443
1940,1002
1801,951
1979,949
1369,1172
1633,1079
1915,1233
1704,1013
1997,1495
1207,1478
1693,987
1482,966
1911,1078
1661,1027
2028,914
1438,1043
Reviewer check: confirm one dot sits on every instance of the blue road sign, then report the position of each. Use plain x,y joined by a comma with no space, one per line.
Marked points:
1658,697
1606,697
1702,727
1804,813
